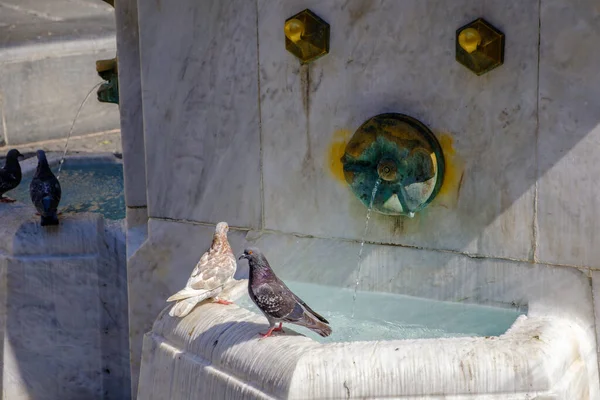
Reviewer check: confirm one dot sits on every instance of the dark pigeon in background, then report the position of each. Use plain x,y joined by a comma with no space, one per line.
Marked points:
10,174
276,301
45,191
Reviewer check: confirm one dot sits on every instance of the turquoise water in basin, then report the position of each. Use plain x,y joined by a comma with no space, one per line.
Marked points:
384,316
94,187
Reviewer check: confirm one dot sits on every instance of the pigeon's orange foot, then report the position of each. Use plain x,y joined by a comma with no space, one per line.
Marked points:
271,330
225,302
37,213
269,333
6,200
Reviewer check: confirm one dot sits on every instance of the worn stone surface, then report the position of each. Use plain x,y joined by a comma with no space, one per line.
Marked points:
569,134
201,110
64,307
212,346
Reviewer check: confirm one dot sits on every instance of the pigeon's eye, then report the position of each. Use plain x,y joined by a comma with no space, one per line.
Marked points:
250,253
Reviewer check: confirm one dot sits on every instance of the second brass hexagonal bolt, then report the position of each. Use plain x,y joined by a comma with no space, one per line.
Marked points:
306,36
479,46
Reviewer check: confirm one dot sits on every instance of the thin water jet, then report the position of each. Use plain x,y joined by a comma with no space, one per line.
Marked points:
362,244
62,160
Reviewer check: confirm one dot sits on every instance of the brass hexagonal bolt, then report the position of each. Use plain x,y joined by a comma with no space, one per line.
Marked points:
479,46
306,36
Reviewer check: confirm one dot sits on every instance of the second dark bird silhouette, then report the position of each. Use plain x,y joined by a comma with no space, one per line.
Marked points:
45,191
10,174
276,301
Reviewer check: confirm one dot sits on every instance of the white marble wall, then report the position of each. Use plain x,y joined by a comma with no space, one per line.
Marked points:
201,111
236,130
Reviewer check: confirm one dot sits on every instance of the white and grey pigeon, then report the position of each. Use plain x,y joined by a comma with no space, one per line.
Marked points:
10,174
276,301
45,191
215,269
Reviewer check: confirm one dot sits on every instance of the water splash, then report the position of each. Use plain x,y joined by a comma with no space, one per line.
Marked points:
62,160
362,244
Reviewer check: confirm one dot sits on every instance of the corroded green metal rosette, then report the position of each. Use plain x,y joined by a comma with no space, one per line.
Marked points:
404,155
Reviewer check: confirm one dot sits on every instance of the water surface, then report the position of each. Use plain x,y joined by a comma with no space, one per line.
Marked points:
94,187
384,316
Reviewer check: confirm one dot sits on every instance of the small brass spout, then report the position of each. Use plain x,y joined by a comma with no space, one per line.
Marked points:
294,29
109,91
387,170
469,39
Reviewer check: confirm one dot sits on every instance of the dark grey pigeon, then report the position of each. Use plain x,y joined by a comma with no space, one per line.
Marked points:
10,174
45,191
276,301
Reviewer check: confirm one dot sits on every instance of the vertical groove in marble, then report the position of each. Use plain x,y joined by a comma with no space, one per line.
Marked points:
200,106
260,134
534,225
569,136
130,103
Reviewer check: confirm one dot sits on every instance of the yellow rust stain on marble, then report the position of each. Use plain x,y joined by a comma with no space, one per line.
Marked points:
335,152
453,174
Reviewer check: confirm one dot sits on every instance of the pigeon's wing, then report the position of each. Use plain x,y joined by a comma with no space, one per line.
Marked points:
42,189
36,192
213,270
274,299
56,190
7,181
310,310
301,303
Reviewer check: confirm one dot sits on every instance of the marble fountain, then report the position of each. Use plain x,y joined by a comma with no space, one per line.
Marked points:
476,276
273,109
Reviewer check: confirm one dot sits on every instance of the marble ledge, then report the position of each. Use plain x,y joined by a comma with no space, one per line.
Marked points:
253,234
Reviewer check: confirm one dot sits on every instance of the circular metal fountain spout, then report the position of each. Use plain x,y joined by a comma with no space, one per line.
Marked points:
401,153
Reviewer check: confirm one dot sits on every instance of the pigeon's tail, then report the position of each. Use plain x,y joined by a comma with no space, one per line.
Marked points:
312,323
184,307
187,292
50,219
187,299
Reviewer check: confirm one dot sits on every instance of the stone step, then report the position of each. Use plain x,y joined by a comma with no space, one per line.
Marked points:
48,53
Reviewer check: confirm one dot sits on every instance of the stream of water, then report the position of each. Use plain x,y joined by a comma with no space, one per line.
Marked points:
362,244
62,160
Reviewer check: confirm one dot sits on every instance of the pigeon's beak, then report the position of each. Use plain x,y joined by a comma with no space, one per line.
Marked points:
243,256
20,157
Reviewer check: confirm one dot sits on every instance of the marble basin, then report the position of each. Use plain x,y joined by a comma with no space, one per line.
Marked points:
215,353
